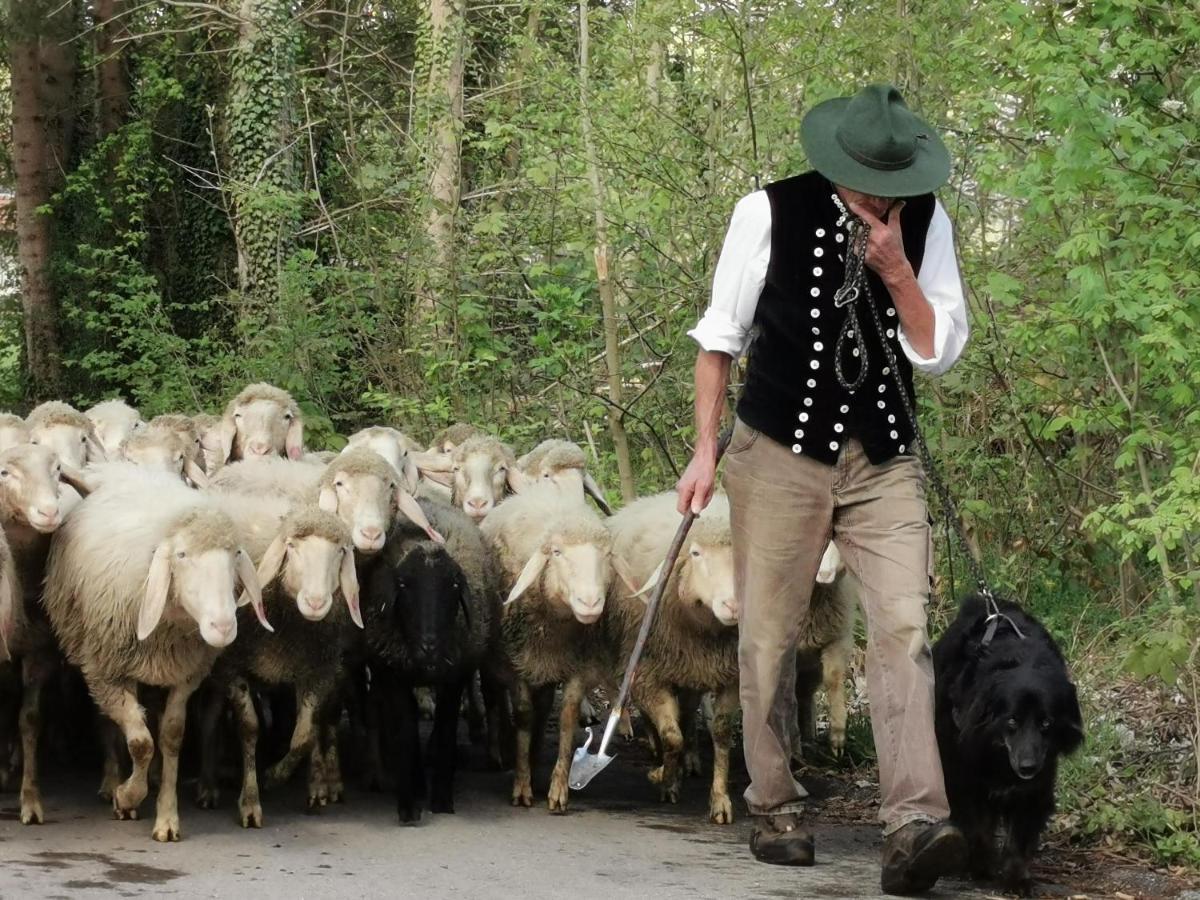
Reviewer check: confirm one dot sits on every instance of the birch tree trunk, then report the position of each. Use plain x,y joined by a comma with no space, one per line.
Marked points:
604,281
112,88
444,92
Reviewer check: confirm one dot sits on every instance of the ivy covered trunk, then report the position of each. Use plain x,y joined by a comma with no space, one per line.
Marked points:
444,98
260,147
112,88
42,83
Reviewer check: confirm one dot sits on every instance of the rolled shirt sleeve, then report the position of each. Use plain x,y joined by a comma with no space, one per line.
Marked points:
738,281
941,283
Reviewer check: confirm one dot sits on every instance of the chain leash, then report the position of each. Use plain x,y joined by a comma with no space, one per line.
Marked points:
856,287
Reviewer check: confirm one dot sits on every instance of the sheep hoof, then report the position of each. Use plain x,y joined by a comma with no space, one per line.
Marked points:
206,797
410,814
691,764
442,801
335,792
720,810
31,811
166,829
108,787
655,775
522,794
251,814
669,794
556,799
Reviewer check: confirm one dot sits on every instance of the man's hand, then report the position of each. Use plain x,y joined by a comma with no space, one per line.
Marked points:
698,481
885,244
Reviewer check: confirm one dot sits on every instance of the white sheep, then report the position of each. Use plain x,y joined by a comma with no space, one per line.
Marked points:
142,588
208,431
13,431
823,650
693,647
113,421
261,421
563,463
553,553
484,471
394,446
67,432
164,448
452,435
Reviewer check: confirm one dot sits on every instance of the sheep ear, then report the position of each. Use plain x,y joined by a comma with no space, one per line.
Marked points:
411,474
8,621
591,488
158,588
253,590
626,576
529,574
75,478
226,431
328,499
95,449
194,473
517,480
271,563
294,442
411,508
432,461
464,603
651,581
348,578
445,479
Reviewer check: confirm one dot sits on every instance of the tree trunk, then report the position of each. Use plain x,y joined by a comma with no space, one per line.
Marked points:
33,165
59,64
445,96
604,283
512,153
112,88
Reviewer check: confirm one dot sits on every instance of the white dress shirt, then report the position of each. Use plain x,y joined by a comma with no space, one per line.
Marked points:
742,271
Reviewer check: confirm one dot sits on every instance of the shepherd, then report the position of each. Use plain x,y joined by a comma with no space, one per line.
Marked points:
839,282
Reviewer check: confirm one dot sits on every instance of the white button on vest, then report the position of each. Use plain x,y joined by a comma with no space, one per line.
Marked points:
882,405
895,434
818,346
816,331
901,448
814,364
839,237
833,445
845,408
837,426
887,370
812,382
891,332
796,448
817,251
891,312
803,417
891,419
808,401
855,351
815,313
818,271
816,292
882,388
820,232
799,432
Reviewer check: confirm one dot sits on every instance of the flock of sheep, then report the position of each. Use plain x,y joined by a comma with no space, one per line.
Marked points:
216,557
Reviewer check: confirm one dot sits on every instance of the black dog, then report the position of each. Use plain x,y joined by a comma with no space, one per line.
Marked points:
1005,711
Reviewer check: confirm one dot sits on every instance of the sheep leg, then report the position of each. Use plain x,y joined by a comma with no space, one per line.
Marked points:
476,712
35,672
498,723
834,662
304,736
170,740
373,762
522,790
10,717
720,809
568,719
249,806
662,706
119,702
445,741
211,707
689,723
335,789
408,754
808,679
110,738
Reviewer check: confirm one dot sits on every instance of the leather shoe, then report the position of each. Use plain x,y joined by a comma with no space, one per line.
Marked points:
917,855
781,841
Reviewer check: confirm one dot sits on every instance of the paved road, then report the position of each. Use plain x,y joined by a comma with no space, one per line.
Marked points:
616,842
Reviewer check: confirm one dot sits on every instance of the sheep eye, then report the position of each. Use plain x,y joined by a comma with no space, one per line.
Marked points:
456,468
83,439
695,553
237,415
546,475
287,417
1045,724
339,484
33,441
1011,724
3,473
557,552
181,555
342,551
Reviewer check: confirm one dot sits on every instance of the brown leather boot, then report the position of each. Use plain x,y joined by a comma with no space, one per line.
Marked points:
781,841
917,855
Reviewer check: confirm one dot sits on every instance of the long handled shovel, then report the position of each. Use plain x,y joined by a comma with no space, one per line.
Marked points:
586,766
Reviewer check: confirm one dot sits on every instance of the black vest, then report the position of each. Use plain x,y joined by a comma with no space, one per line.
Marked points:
791,393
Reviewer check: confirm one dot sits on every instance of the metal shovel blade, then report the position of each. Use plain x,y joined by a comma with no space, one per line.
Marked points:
586,766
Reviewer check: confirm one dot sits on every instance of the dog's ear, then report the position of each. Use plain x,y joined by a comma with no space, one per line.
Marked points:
977,720
1068,720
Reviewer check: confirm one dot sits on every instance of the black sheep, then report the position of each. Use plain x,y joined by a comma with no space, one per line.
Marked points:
432,617
1005,711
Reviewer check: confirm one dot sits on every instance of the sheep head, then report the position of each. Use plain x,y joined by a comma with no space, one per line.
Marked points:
313,556
394,446
453,435
573,567
261,421
563,464
31,479
198,566
364,491
484,470
13,431
67,432
832,565
160,448
113,421
422,591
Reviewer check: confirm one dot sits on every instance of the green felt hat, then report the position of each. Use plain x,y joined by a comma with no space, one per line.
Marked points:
872,143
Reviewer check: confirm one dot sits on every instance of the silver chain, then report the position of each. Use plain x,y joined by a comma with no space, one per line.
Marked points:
854,288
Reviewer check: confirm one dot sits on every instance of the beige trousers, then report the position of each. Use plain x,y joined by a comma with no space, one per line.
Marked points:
784,510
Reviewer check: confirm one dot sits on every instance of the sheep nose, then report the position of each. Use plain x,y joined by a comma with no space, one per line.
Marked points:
258,448
47,512
316,603
1027,770
371,533
224,627
478,505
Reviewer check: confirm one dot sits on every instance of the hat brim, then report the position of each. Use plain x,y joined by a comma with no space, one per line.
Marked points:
930,168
